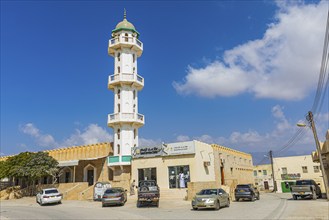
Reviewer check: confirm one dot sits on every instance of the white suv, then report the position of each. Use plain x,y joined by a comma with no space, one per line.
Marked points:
50,195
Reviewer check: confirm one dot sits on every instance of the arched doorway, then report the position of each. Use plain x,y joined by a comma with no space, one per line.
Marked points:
89,174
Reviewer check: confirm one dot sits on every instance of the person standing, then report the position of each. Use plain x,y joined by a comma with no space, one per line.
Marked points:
181,180
132,188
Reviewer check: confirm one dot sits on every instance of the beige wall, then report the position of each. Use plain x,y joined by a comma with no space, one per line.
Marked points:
325,155
198,172
294,166
237,165
260,178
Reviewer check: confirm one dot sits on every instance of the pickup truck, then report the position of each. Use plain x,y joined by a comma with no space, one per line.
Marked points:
305,188
148,193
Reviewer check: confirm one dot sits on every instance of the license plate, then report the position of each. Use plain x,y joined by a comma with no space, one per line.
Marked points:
241,190
301,193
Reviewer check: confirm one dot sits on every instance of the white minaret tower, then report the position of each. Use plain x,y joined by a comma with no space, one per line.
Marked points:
125,83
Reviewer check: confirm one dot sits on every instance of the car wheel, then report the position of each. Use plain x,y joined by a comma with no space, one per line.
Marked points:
252,198
138,204
103,205
217,205
228,203
314,196
237,199
258,197
41,203
294,197
60,202
195,208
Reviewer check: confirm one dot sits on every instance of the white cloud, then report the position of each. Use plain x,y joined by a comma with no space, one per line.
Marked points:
43,140
281,65
91,135
258,141
181,138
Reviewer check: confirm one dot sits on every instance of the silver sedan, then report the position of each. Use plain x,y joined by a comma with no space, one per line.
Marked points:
211,198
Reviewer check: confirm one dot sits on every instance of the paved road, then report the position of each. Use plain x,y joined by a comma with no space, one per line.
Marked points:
270,206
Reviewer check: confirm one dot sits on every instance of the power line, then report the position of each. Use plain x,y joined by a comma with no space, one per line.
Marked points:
320,92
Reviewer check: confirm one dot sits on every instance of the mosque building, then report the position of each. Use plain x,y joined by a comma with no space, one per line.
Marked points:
180,169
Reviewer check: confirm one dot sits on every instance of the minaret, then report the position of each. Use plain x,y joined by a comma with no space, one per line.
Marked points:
125,48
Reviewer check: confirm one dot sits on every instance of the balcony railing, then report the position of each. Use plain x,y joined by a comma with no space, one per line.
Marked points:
126,40
126,77
125,117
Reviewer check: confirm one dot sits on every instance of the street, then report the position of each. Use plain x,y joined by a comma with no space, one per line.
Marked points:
270,206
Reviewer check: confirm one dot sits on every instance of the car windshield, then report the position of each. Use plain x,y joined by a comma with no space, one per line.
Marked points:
303,182
208,192
114,190
147,183
243,186
51,191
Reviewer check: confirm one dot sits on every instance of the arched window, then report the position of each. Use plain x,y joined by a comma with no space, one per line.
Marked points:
126,37
118,107
118,69
134,108
134,58
134,69
118,148
134,94
119,54
118,133
135,133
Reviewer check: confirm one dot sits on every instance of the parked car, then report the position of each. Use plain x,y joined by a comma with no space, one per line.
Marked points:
114,196
305,188
50,195
148,193
211,198
246,191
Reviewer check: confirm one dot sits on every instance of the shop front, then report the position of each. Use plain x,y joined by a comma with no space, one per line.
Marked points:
174,165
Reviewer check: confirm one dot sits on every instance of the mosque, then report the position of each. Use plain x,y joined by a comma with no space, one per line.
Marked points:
180,169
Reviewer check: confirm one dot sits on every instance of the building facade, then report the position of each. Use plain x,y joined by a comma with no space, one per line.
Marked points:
325,156
263,177
232,167
174,165
289,169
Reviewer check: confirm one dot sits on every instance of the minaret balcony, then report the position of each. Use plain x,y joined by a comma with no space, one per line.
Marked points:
132,118
123,41
126,78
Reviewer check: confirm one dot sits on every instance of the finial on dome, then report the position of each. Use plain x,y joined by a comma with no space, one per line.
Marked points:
124,14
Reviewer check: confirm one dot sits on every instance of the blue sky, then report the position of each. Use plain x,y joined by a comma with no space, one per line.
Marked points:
240,74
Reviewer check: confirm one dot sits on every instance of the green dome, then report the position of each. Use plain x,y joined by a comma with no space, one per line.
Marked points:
125,25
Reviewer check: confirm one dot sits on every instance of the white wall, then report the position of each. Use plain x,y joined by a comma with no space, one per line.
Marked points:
294,166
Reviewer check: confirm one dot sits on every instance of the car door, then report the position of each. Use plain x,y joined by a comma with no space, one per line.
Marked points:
221,196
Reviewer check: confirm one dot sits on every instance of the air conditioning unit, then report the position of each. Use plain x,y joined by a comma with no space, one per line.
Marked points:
206,163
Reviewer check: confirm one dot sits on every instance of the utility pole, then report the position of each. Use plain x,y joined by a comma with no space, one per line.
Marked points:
317,143
274,182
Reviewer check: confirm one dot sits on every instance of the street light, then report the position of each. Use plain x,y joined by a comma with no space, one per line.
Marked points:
317,143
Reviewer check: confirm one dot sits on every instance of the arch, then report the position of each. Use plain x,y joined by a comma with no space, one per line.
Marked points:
66,176
87,168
